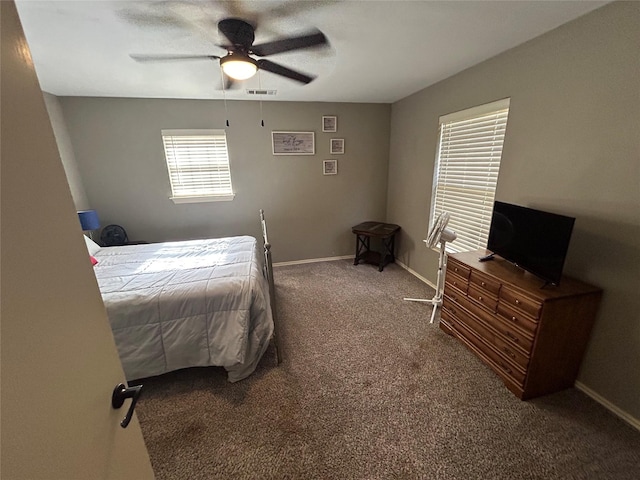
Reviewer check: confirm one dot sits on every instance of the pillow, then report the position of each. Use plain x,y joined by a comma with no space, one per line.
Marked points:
94,260
92,246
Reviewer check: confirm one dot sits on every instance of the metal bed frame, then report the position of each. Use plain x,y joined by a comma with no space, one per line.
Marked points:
268,270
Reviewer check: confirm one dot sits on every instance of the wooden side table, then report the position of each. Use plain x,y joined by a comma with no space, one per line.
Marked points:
386,232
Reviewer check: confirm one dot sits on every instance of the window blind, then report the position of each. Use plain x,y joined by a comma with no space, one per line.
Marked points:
467,168
198,163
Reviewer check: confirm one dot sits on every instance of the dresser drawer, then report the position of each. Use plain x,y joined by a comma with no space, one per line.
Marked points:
447,319
453,293
503,366
458,268
449,303
484,282
476,310
480,323
477,327
516,299
516,337
483,297
515,317
456,281
513,354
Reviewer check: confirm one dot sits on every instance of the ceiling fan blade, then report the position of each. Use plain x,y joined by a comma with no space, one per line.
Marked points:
238,32
292,43
284,71
170,57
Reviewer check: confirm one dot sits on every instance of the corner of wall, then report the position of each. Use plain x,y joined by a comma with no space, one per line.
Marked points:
65,149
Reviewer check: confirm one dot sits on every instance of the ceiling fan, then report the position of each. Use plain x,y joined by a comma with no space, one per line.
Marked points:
238,64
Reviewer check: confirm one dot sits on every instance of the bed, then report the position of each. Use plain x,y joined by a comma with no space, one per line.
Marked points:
192,303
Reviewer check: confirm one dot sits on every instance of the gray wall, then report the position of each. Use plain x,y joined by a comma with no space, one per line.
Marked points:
572,147
65,148
118,148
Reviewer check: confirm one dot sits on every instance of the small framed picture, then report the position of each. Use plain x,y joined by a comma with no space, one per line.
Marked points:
330,167
337,146
329,124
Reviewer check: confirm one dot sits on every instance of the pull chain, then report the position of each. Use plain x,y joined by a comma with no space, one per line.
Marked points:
224,96
260,88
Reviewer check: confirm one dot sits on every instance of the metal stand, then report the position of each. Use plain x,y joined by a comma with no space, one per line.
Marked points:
444,237
436,301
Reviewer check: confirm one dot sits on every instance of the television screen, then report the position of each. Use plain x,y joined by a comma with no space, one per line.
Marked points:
534,240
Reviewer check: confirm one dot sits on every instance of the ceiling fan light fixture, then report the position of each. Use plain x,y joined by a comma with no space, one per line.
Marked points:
239,67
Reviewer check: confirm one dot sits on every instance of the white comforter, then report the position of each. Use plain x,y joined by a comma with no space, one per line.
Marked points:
183,304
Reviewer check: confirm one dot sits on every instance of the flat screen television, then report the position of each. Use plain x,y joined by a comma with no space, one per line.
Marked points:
535,240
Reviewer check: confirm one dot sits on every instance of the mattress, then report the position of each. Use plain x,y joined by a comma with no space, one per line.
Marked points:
185,304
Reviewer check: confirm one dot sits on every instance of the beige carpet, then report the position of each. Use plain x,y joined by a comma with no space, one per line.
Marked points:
369,390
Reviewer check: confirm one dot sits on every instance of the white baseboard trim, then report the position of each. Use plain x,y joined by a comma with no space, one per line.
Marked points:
312,260
415,274
346,257
634,422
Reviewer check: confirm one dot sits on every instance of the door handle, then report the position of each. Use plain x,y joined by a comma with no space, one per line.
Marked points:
120,394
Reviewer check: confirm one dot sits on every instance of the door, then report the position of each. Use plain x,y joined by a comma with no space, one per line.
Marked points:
59,362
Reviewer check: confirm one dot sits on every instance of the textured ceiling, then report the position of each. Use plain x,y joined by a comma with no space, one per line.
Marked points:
380,51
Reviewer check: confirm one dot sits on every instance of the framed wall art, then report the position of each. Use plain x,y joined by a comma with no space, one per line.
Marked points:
329,124
330,167
293,143
337,146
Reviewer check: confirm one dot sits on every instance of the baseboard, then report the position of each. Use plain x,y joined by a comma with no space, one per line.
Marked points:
345,257
312,260
634,422
415,274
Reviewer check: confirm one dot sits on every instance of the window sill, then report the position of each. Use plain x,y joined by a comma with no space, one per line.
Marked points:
203,199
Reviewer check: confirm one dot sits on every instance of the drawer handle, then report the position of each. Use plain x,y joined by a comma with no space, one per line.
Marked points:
514,319
509,352
512,336
479,298
455,269
517,302
483,284
505,368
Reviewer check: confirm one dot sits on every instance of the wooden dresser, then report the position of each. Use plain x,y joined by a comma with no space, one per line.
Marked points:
533,336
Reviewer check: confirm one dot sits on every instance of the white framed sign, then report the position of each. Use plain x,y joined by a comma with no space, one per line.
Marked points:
293,143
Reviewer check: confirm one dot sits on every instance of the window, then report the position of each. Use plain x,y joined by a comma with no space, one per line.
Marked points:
466,171
198,164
